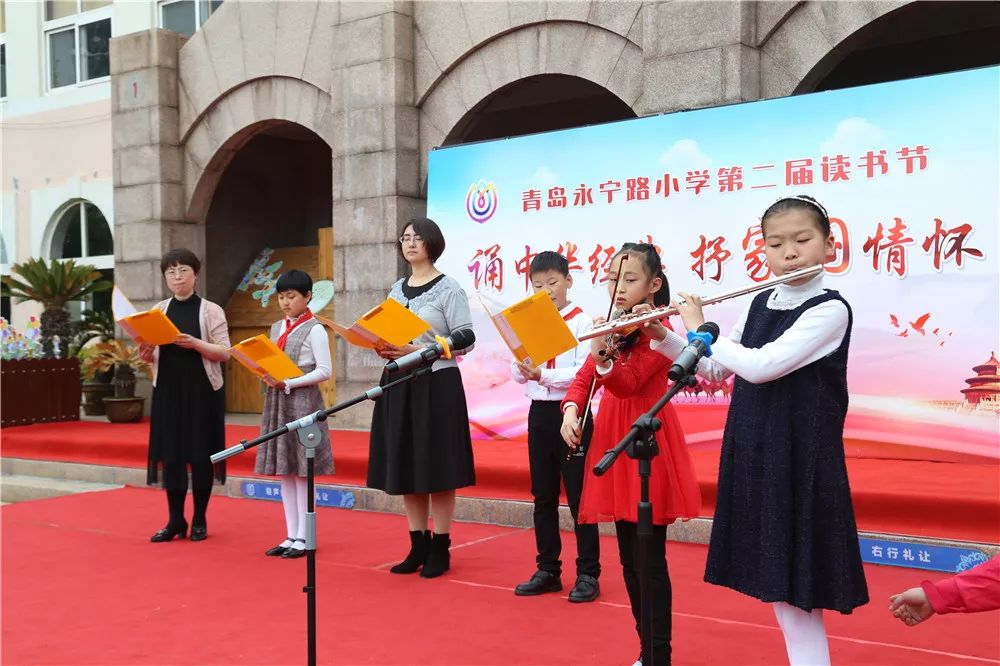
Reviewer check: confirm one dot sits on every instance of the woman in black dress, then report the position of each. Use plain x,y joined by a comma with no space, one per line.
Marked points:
420,445
189,406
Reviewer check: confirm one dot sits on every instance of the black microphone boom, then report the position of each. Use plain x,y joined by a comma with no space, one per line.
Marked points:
686,361
459,339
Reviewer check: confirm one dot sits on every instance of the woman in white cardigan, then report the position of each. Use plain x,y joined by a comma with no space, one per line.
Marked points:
189,407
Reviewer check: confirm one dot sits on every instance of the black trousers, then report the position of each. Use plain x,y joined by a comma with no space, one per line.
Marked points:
548,463
175,482
628,552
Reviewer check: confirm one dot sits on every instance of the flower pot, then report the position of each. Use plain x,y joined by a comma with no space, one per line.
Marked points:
93,394
124,381
124,410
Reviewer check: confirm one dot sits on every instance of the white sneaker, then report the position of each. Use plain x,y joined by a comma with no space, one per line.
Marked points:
638,662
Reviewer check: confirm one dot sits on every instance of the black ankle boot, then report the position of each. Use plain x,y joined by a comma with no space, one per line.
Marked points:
439,559
419,546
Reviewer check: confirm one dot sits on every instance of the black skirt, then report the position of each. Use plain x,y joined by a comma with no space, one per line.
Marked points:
187,417
420,439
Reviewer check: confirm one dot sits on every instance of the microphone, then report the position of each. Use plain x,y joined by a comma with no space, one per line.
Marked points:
699,344
460,339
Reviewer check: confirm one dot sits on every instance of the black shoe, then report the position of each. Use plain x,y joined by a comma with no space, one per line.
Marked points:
586,589
277,551
294,553
169,532
420,545
438,557
540,583
199,532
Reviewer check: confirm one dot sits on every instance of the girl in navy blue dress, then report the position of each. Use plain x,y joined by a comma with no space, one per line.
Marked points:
784,529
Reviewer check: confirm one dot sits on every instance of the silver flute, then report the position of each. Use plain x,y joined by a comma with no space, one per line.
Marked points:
632,321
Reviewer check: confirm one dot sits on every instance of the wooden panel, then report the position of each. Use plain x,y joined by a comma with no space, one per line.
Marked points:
247,318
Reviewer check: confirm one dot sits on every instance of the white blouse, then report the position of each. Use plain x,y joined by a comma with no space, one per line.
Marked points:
817,333
315,349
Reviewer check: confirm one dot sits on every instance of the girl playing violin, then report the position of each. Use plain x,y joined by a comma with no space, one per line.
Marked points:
634,377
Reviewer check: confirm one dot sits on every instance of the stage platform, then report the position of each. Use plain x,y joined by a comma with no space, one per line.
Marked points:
949,501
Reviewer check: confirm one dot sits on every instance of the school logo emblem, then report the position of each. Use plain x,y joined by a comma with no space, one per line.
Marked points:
481,201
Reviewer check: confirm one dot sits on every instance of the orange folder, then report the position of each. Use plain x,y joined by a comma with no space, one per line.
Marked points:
389,323
533,329
151,327
263,358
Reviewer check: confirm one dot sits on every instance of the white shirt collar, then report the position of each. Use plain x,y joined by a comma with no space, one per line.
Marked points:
789,297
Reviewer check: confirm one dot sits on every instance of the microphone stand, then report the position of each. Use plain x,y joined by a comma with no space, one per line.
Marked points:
640,444
308,430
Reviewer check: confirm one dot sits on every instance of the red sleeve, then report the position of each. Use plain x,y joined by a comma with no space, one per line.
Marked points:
641,365
972,591
578,390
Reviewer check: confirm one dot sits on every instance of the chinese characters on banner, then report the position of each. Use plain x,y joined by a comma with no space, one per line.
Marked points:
888,245
797,172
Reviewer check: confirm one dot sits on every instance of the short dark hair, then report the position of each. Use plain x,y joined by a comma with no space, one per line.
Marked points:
548,261
180,256
294,280
430,233
799,202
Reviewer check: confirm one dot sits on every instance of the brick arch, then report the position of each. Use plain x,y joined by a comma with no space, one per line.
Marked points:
796,40
236,118
595,54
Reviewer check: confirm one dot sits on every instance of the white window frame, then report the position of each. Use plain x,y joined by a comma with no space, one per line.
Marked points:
99,261
74,22
198,20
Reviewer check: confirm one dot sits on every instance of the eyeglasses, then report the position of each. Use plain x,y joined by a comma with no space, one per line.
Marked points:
406,240
178,271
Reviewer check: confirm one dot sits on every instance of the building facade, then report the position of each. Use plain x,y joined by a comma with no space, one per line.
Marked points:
276,119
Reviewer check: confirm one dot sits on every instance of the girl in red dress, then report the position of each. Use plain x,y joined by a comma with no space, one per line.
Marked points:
632,384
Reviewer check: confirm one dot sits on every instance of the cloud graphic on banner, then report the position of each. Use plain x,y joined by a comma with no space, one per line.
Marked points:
853,136
685,155
543,177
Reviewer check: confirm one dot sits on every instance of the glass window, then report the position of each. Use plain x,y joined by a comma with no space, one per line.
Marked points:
179,17
56,9
62,58
82,231
3,19
3,70
207,7
87,5
94,38
99,239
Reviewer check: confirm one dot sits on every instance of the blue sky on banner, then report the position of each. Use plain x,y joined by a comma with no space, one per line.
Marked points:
953,115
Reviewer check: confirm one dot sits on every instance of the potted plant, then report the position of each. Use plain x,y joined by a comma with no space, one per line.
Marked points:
53,285
93,328
123,357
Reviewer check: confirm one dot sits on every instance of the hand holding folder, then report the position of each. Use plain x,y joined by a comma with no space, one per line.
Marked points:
533,329
385,325
263,358
151,327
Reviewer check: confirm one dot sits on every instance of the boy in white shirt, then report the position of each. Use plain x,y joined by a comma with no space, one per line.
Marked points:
548,456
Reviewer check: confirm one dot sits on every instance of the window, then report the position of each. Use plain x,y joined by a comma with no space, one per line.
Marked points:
186,16
77,33
82,233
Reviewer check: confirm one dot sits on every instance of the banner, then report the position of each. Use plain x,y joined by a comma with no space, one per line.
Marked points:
909,170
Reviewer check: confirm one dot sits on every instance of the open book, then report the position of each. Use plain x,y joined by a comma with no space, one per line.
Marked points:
389,323
533,329
151,327
263,358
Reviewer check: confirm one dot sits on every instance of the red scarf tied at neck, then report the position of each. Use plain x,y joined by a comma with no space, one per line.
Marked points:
291,326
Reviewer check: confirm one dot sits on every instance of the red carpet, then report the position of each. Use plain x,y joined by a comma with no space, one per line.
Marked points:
82,585
936,499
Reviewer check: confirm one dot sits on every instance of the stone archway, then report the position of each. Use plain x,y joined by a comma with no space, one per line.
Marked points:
580,50
794,38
